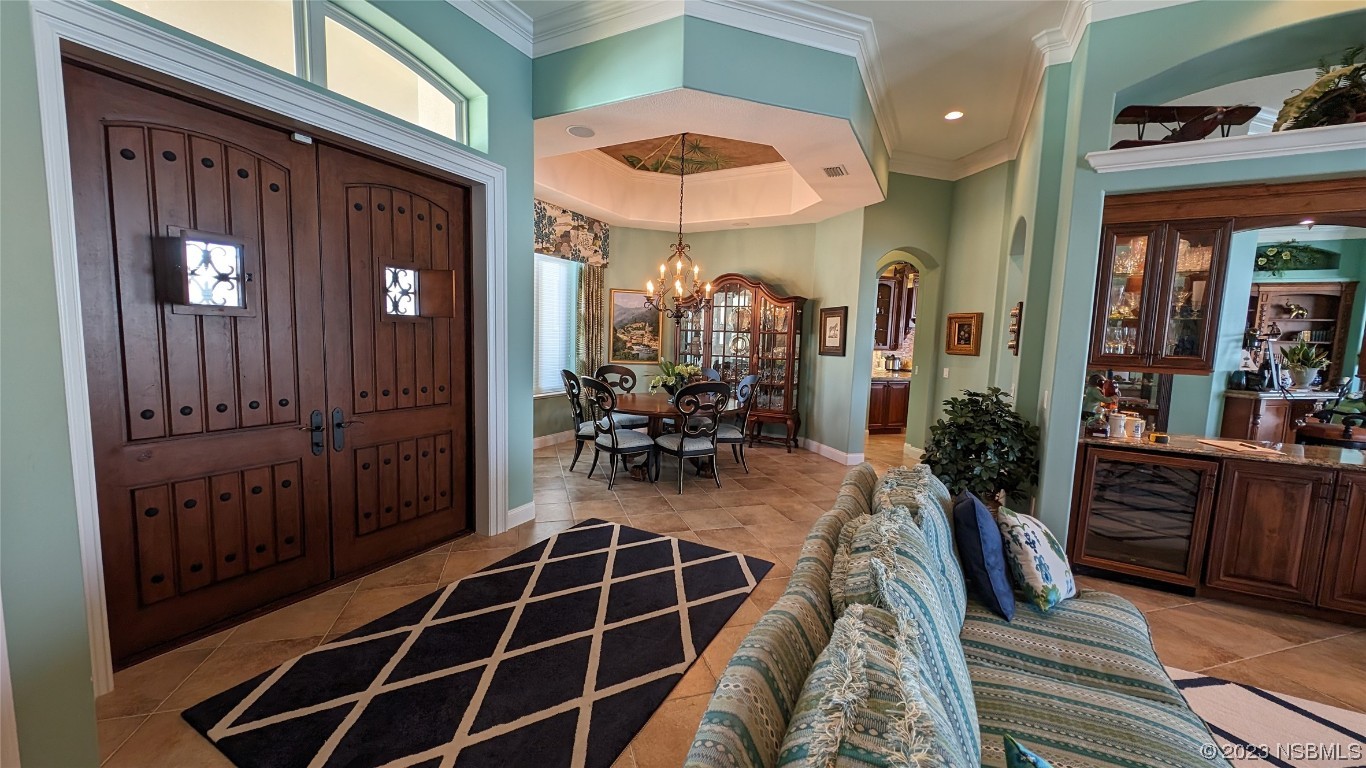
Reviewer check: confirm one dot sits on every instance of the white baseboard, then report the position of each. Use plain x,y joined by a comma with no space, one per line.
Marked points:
523,514
545,441
915,453
848,459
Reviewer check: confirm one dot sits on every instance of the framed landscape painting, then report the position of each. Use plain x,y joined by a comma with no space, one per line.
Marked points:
636,329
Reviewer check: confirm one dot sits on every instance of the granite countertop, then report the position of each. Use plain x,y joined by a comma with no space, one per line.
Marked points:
1294,394
1286,453
892,376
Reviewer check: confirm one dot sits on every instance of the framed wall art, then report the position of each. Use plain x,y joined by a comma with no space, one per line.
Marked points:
635,329
834,330
964,336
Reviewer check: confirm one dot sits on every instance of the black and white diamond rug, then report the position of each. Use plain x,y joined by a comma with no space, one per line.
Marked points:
555,656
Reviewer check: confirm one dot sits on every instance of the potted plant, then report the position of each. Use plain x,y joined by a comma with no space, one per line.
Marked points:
1304,361
982,445
674,375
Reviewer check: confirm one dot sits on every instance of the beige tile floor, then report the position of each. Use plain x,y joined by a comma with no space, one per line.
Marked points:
765,513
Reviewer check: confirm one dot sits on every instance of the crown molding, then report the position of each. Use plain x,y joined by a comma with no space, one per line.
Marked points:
1332,138
502,18
580,22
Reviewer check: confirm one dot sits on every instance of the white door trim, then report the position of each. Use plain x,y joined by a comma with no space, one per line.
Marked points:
113,33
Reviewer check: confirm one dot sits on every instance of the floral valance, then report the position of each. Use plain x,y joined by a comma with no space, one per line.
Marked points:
569,235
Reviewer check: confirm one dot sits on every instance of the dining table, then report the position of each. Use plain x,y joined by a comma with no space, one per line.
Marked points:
658,406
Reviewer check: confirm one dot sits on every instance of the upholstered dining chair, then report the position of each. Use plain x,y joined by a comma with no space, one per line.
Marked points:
712,374
622,380
583,426
734,434
608,436
700,407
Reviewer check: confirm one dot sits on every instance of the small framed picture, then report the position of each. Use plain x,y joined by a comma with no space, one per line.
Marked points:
833,326
964,335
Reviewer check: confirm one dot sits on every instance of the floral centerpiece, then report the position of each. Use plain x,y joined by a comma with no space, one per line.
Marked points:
674,376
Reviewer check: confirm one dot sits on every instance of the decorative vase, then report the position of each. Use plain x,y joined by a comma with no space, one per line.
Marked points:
1303,377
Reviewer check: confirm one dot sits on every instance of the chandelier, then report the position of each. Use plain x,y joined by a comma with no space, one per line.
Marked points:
687,294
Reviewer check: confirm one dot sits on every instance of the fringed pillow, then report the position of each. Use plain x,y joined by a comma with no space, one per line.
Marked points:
864,703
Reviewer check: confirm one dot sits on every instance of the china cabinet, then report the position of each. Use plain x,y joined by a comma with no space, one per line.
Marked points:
894,313
1158,295
751,328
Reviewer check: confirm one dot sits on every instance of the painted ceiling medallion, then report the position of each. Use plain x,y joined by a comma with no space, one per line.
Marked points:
700,154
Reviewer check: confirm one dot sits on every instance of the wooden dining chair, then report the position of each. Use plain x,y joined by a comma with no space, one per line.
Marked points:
608,436
700,407
622,380
583,426
734,434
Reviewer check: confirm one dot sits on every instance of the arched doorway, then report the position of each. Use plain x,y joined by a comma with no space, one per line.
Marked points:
909,332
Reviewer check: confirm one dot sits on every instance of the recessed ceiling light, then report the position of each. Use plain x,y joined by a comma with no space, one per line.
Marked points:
954,115
1307,223
581,131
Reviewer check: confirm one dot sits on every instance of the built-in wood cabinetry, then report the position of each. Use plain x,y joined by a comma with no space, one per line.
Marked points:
1144,514
895,307
1158,295
1269,530
1342,585
888,402
1265,416
1324,309
1275,532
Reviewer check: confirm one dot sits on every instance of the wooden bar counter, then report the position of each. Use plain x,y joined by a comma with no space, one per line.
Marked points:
1283,527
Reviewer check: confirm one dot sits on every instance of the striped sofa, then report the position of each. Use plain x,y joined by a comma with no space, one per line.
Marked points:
1080,685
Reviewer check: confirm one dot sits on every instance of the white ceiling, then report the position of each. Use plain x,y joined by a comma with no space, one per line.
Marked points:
919,58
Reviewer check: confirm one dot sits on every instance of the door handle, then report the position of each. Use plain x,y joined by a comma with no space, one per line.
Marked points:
315,427
339,425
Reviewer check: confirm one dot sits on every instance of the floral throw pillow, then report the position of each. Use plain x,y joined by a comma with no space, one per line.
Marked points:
1036,561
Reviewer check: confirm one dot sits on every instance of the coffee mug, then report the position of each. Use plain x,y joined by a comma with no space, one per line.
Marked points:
1117,425
1136,428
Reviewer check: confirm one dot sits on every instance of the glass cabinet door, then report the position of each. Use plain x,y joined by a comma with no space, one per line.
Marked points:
1187,310
732,326
775,335
1121,332
691,336
1146,514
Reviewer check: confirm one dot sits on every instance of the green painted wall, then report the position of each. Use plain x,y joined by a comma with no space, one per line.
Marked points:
44,598
44,607
687,52
1115,55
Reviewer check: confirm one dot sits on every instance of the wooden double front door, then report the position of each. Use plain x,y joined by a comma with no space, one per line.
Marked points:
246,454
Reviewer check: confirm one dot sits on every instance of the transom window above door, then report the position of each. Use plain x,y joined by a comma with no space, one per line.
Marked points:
322,43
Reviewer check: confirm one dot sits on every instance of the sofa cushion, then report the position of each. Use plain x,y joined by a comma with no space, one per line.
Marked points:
1078,726
862,479
982,554
839,571
865,704
757,693
907,588
1036,559
927,500
1095,639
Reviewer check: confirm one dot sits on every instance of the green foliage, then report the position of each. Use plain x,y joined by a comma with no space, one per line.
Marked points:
675,375
1278,257
1304,355
1337,96
984,446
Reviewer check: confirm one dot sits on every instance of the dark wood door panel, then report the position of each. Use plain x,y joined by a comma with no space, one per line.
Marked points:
192,412
404,392
1269,529
1343,586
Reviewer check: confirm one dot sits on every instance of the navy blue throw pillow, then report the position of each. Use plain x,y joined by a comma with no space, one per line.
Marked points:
980,549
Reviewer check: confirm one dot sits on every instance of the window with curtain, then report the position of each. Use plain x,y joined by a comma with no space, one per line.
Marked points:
322,43
556,318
